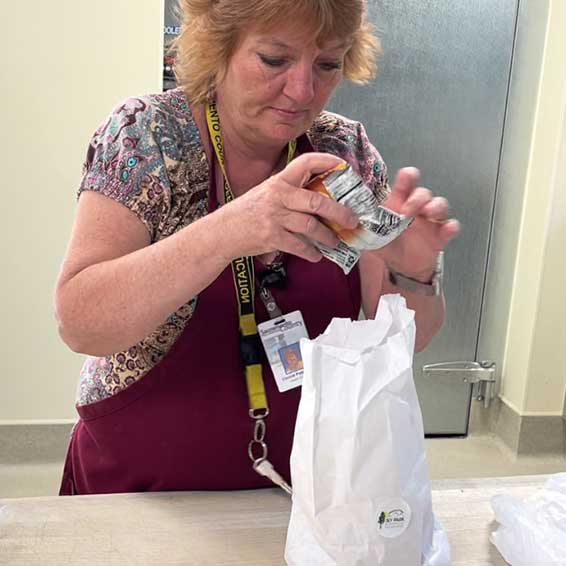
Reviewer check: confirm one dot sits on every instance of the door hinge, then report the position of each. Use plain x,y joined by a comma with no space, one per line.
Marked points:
481,375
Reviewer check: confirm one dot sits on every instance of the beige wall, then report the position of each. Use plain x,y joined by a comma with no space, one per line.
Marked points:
520,117
546,383
64,66
534,371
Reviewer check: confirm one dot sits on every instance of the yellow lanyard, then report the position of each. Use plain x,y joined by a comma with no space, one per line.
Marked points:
244,282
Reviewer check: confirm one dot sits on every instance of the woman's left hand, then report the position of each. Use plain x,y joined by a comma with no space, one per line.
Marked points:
414,253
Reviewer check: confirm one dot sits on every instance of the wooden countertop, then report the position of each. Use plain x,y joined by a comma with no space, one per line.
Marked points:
213,528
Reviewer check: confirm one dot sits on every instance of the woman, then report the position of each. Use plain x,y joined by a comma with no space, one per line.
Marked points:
167,206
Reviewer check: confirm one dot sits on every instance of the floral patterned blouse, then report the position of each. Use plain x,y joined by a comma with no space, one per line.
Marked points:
148,156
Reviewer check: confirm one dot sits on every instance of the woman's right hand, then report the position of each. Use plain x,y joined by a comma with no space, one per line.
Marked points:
279,214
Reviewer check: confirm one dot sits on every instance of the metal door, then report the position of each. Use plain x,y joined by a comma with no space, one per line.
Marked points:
171,30
439,104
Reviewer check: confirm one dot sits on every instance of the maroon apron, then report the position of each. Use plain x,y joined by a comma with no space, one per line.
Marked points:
185,424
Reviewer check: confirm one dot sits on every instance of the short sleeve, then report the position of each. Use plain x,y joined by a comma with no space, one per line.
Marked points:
125,163
347,139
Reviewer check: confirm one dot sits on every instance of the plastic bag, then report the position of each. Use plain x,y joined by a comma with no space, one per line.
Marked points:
533,532
361,492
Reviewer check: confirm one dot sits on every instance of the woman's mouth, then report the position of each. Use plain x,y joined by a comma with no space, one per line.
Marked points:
283,112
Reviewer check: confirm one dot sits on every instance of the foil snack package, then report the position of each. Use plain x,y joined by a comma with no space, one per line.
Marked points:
378,225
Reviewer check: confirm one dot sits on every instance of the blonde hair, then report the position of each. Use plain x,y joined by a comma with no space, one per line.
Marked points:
210,30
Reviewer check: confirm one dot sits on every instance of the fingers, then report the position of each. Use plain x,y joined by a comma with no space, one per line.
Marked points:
310,227
436,209
309,202
293,244
406,180
423,203
447,231
300,170
417,200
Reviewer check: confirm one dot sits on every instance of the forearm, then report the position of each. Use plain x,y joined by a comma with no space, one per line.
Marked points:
112,305
429,311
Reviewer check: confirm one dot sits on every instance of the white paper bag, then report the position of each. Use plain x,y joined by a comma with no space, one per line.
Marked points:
361,492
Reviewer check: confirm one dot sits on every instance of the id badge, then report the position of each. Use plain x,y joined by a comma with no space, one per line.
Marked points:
281,340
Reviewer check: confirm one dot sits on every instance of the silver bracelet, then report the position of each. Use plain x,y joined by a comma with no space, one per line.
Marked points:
432,289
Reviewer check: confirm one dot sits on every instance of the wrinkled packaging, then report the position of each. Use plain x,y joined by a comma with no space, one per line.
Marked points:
361,492
378,225
533,531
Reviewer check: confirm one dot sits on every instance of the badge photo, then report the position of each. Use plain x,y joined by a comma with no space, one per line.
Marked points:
281,339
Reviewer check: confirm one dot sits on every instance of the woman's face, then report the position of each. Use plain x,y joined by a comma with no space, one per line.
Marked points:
277,83
292,358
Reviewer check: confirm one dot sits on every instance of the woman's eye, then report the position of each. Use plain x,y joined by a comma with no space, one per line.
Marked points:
272,61
331,65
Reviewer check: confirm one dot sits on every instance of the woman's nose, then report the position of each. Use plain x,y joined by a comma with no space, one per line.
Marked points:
300,85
